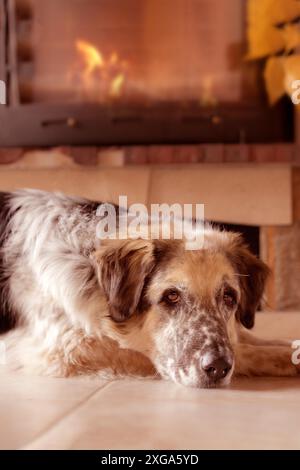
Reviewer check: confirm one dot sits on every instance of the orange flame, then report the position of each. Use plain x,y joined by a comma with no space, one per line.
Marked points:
93,58
117,85
106,76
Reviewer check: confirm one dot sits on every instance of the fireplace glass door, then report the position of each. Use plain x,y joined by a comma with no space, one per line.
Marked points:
131,72
140,52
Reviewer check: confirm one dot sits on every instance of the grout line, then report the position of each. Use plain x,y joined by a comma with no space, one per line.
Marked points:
67,413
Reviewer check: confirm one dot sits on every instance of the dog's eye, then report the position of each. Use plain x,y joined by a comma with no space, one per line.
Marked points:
171,296
229,298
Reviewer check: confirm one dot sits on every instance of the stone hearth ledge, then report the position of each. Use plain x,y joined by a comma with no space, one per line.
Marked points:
249,194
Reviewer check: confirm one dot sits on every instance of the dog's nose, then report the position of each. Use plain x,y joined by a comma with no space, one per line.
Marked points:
217,369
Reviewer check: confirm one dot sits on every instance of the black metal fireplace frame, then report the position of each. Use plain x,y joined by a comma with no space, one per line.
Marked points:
24,124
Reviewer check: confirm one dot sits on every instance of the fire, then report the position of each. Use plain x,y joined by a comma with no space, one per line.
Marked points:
208,97
92,57
97,76
117,85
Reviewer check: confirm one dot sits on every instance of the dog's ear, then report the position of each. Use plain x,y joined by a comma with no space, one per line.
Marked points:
252,274
122,268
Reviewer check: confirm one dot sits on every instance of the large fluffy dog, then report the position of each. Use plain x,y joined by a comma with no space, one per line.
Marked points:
127,307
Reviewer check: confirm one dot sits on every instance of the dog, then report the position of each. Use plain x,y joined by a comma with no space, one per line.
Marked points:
73,304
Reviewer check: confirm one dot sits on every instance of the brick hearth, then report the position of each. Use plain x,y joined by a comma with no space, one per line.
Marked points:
164,154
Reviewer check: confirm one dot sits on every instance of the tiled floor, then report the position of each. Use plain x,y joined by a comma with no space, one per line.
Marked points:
85,413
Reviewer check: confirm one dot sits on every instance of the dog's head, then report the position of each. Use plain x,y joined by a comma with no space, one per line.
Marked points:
177,306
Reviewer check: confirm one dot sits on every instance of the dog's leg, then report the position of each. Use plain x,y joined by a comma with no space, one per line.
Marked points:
247,338
265,360
60,351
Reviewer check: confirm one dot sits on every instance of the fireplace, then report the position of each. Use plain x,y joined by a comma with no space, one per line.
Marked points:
101,72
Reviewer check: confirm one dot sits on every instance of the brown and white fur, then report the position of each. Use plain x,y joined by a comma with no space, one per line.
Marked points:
78,305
